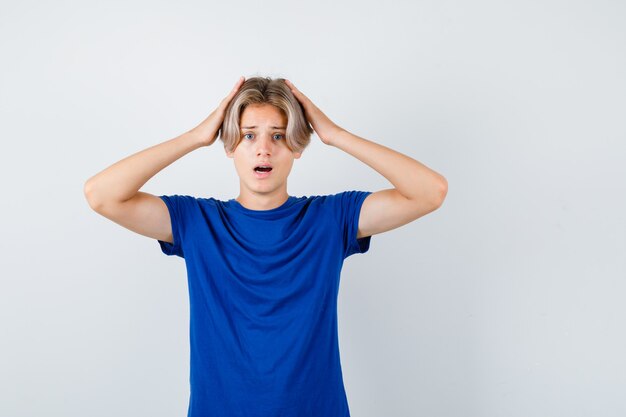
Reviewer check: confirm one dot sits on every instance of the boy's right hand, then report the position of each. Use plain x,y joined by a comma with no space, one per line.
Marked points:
207,131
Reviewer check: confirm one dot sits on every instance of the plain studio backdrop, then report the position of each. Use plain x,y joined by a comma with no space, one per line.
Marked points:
507,301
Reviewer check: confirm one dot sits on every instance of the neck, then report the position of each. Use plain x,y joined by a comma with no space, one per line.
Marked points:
262,202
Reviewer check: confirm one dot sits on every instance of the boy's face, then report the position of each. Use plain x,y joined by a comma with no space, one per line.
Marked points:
262,142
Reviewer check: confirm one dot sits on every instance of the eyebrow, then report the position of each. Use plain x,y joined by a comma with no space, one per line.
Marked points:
254,127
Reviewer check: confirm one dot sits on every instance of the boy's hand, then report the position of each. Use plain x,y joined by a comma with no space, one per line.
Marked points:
324,127
207,131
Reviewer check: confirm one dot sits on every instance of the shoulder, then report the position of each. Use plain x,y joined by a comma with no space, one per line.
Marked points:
343,205
188,203
348,199
341,197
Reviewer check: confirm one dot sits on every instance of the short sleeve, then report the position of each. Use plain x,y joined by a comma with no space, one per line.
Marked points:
179,207
347,206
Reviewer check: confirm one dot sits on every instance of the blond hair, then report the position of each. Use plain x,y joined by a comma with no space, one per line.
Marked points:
261,90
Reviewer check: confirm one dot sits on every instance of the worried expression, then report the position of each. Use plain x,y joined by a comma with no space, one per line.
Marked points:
262,158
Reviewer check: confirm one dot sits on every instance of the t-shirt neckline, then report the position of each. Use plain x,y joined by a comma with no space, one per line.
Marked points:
288,203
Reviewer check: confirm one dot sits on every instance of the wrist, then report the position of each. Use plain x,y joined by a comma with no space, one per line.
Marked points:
335,137
201,137
196,138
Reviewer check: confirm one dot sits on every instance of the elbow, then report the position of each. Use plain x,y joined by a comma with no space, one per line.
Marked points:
88,191
442,191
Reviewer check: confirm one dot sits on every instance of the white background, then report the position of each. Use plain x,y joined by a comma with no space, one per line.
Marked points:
507,301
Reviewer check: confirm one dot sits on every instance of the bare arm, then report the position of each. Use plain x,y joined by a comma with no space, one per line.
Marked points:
121,181
418,190
114,192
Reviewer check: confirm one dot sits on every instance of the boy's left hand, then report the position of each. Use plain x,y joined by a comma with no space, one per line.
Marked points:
324,127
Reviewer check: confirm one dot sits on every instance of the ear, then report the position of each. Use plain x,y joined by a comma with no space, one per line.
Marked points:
229,154
297,155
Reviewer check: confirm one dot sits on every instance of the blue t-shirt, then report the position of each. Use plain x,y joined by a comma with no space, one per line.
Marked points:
263,288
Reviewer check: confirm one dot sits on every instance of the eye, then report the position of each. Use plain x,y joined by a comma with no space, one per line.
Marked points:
246,134
278,134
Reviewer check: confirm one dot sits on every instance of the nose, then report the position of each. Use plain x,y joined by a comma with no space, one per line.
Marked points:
265,145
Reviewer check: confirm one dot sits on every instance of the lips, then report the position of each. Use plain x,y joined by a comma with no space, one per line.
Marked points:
263,167
262,170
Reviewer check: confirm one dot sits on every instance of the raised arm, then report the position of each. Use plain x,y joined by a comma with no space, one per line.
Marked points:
114,192
418,189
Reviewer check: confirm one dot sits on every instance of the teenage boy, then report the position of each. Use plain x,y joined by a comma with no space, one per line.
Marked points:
263,268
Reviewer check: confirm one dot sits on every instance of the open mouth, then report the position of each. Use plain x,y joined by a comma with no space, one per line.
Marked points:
262,171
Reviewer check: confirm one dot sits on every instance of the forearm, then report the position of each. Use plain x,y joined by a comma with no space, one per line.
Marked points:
122,180
411,178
